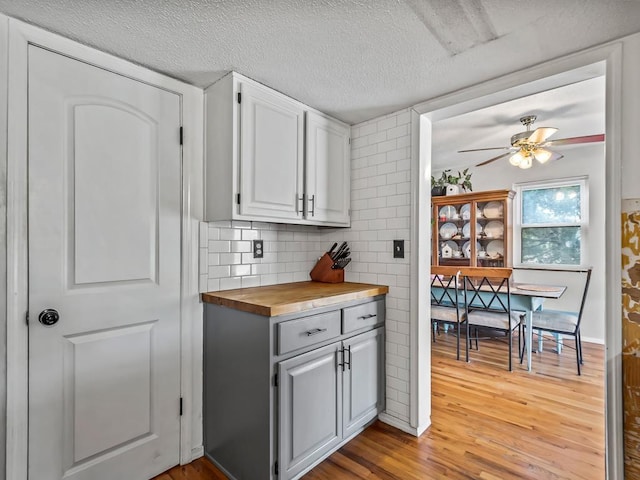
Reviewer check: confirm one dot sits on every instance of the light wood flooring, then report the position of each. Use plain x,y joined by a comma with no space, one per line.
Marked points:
487,423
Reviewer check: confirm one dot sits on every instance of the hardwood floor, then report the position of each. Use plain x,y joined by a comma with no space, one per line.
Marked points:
487,423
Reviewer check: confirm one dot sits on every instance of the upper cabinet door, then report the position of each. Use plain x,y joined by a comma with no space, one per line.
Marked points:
271,154
328,170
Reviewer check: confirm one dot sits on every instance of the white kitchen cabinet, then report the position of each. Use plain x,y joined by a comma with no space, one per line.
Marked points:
271,158
327,179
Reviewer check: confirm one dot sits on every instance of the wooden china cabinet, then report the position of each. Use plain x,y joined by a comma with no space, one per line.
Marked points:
472,229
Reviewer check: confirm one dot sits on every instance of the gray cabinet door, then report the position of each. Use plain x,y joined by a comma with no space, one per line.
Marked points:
363,381
310,393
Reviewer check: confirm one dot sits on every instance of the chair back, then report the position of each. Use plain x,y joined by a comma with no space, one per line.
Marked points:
584,295
444,286
487,289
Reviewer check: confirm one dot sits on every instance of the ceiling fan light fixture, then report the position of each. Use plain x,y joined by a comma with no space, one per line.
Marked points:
526,162
542,155
516,158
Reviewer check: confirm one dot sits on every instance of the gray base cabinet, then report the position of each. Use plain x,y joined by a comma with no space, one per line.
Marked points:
282,393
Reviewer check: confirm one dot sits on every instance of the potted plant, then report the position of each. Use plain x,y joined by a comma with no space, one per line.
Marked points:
438,186
462,181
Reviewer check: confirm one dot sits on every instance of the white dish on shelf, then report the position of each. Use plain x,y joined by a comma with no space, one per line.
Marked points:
448,212
495,249
494,229
492,210
466,249
448,230
466,230
465,212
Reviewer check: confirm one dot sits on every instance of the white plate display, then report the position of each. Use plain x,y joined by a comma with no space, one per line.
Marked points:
465,211
448,230
493,210
495,248
448,212
466,249
466,230
494,229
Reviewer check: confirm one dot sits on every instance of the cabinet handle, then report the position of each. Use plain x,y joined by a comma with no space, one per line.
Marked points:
366,317
349,362
313,204
299,200
344,361
315,331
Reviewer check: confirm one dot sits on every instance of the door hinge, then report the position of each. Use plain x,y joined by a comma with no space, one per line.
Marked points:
275,380
238,198
26,318
180,406
181,135
349,140
275,468
239,97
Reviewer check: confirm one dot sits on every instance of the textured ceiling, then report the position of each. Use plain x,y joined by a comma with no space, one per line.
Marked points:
354,59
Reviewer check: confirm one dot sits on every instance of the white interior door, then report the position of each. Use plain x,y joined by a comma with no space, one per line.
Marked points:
104,252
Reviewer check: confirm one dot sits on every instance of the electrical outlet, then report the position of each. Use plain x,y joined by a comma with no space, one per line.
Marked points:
258,248
398,249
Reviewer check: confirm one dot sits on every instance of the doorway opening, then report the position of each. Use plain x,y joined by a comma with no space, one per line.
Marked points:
578,68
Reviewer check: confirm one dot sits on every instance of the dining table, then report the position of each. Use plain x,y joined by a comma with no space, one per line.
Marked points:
529,298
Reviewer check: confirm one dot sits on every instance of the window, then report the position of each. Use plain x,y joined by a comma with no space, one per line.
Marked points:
550,223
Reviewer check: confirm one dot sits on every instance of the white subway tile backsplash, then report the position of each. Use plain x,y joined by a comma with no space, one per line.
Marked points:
240,246
230,258
240,270
230,234
230,283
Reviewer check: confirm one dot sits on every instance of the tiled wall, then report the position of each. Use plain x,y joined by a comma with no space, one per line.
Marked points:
290,251
380,211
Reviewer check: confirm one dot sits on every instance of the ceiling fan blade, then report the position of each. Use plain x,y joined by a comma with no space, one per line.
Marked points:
483,149
556,156
493,159
573,140
539,135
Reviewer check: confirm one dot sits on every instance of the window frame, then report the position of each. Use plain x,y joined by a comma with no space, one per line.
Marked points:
519,188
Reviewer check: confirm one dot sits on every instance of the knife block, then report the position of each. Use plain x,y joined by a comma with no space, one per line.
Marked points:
322,271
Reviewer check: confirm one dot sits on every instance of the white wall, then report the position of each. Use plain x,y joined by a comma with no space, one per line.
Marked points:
380,183
4,42
583,160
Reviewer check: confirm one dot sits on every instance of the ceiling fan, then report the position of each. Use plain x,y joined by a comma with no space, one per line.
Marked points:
530,144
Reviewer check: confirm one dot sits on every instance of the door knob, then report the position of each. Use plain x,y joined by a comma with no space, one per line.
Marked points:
48,317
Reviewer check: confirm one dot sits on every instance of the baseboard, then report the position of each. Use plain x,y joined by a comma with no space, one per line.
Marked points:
598,341
197,452
402,425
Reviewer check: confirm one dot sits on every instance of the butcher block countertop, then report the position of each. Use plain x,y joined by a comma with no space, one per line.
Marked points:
274,300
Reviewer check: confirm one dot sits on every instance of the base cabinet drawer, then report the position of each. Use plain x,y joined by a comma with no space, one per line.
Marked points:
306,331
366,315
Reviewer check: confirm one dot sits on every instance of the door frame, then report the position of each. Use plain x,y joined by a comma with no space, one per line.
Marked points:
20,36
541,77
